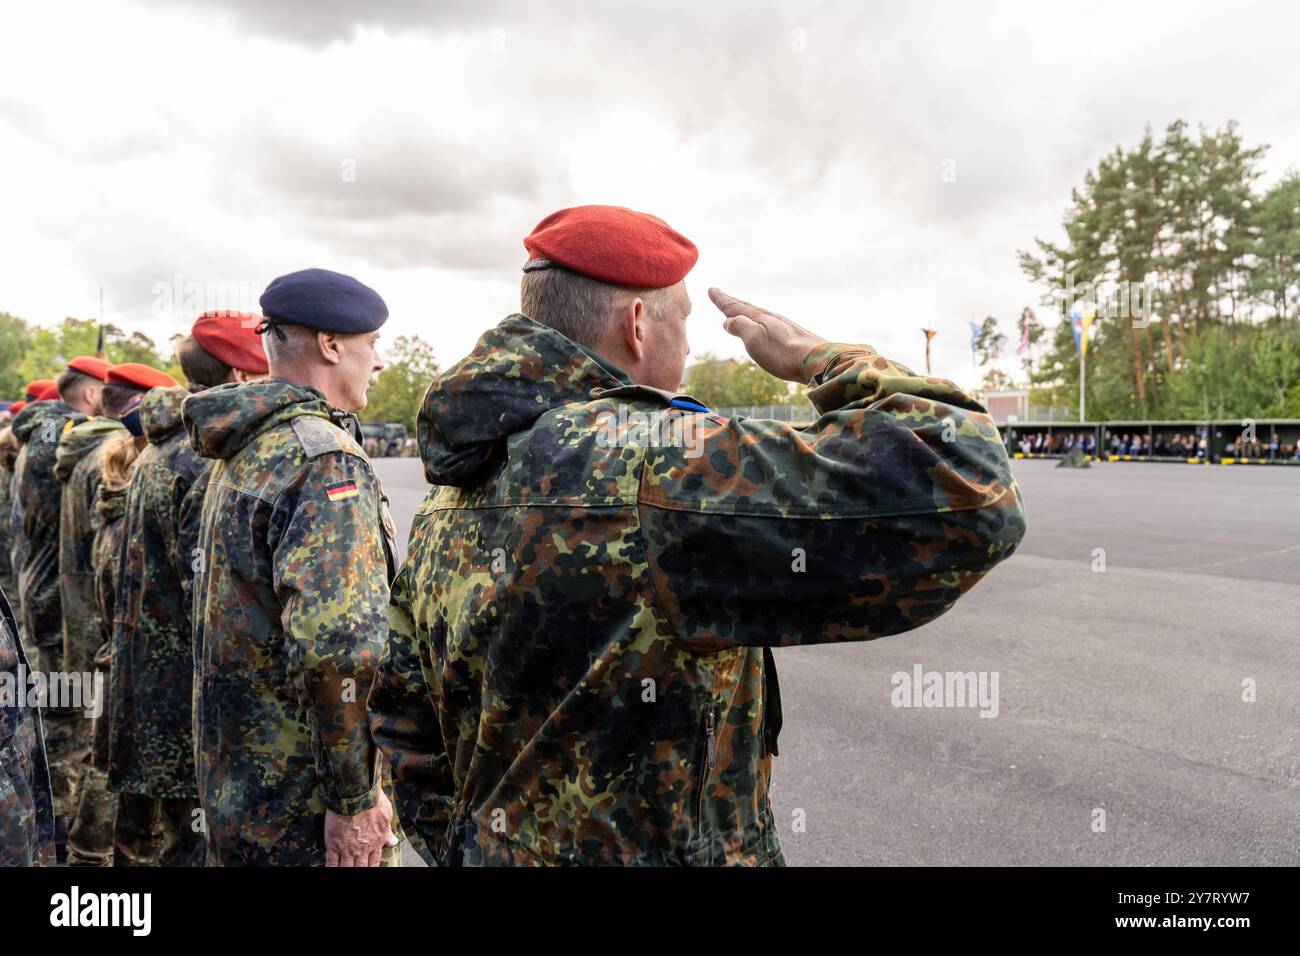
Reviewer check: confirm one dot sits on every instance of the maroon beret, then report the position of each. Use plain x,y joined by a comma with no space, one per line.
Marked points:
612,244
36,389
89,365
138,375
16,407
49,393
232,337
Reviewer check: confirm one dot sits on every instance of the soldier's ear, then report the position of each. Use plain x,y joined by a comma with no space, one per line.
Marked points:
330,346
632,318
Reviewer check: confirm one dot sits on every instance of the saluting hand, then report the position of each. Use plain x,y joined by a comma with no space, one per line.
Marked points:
778,345
359,840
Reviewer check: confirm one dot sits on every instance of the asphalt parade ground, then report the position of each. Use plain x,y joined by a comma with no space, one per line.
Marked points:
1145,601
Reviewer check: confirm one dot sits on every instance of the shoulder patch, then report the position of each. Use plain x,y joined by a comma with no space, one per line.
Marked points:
317,436
341,490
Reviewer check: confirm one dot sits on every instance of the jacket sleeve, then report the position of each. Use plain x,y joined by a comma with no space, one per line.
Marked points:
185,547
331,576
404,723
870,521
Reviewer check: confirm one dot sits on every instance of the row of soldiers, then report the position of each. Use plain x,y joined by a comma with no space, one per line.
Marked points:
573,664
96,554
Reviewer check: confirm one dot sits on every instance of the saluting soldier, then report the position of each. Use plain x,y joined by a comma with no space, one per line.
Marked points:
291,598
579,667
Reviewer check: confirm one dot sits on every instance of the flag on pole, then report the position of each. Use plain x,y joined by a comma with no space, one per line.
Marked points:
974,335
1081,322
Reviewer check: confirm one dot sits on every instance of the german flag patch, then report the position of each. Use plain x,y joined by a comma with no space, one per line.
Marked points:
341,490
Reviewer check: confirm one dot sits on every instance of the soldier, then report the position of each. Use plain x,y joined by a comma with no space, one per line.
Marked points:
79,466
579,668
26,807
71,399
90,838
152,743
290,601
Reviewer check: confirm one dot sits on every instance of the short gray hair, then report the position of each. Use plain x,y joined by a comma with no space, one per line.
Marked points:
577,306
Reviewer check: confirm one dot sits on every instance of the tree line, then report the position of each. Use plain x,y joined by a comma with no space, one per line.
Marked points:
29,352
1193,272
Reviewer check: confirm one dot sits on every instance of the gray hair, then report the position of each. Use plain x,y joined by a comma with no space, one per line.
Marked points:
577,306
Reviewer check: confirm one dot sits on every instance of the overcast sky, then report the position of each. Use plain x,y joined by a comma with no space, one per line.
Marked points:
802,146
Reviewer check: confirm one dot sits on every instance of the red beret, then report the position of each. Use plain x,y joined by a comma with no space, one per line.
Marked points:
17,407
49,393
232,337
140,376
89,365
35,390
615,245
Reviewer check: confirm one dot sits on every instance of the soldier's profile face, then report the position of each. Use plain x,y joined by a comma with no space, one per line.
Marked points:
360,360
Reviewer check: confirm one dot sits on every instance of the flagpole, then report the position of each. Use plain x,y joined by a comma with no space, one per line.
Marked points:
1083,374
100,351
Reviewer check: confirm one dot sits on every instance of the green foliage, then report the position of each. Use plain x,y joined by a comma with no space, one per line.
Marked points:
47,351
15,339
1212,329
725,383
397,392
989,343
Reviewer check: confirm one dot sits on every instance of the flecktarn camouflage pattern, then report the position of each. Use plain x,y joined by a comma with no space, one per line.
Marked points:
290,618
578,667
152,743
36,502
90,838
37,497
77,467
26,803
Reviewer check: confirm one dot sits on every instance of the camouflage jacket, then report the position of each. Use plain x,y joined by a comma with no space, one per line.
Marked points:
26,806
35,516
7,580
77,467
110,508
152,681
290,617
577,670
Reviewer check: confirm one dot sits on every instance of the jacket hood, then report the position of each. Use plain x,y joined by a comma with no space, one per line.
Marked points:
224,419
80,440
160,413
30,418
518,371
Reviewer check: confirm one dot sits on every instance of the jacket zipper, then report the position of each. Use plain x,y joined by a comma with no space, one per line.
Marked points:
711,759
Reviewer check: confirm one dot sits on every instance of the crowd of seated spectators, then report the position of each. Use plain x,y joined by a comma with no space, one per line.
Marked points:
1137,445
1041,443
1271,447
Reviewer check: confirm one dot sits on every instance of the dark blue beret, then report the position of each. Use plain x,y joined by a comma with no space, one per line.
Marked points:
323,300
